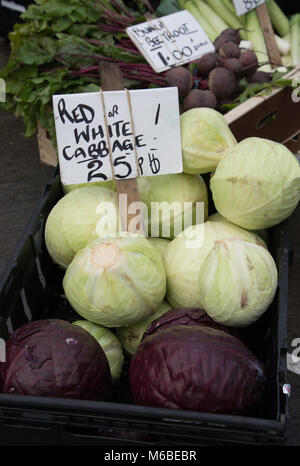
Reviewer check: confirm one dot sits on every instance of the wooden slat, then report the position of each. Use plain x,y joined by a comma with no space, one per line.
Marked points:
268,32
48,154
111,80
275,116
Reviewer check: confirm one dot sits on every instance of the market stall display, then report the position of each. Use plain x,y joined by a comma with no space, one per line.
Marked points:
221,275
59,45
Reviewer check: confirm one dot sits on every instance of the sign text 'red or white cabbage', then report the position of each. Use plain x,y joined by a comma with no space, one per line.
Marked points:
138,130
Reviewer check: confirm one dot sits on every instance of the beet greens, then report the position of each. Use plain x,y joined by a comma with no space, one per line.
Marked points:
57,49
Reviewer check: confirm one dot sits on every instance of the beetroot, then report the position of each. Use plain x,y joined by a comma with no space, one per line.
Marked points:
199,98
208,62
260,77
230,50
234,66
225,101
228,35
196,368
181,78
249,63
221,82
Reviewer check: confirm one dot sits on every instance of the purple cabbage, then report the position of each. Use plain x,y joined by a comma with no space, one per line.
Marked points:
196,368
185,316
55,358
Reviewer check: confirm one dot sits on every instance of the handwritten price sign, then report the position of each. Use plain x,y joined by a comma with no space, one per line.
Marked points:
97,143
172,40
244,6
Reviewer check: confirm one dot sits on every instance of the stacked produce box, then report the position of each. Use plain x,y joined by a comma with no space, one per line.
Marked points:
168,320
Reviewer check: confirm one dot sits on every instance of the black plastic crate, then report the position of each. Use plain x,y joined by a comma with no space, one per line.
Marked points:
30,289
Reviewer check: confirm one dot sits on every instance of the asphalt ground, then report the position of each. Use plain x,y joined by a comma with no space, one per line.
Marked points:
22,180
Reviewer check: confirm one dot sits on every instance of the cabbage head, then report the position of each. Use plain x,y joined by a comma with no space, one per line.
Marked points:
257,184
116,281
205,136
131,335
171,201
188,251
109,343
237,282
161,244
109,184
78,217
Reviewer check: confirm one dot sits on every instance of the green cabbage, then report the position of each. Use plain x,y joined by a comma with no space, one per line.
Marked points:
257,184
109,343
237,282
168,216
131,336
109,184
188,251
78,217
165,197
205,136
219,218
161,244
116,281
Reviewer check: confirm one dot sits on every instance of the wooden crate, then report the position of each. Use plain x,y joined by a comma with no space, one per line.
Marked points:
48,154
275,116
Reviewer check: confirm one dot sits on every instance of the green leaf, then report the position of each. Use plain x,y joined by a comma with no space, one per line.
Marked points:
59,8
36,51
62,24
255,89
167,7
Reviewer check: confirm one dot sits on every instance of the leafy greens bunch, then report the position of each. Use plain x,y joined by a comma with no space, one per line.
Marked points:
57,49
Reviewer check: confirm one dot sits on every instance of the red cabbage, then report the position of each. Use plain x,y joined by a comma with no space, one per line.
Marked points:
196,368
184,316
55,358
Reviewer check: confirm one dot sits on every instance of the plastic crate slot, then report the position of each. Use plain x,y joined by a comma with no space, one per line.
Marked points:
80,421
38,235
113,434
9,283
9,325
264,121
31,424
39,416
34,293
27,309
40,273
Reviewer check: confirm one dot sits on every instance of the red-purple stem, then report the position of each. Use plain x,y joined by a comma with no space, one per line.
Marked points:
122,8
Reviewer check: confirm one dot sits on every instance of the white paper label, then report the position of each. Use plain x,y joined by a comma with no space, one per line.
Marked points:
83,144
171,40
244,6
13,6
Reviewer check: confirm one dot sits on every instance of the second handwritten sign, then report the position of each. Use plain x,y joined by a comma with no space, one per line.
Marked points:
138,131
244,6
172,40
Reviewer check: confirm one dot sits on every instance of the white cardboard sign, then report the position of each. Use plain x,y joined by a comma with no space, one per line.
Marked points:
84,136
244,6
171,40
